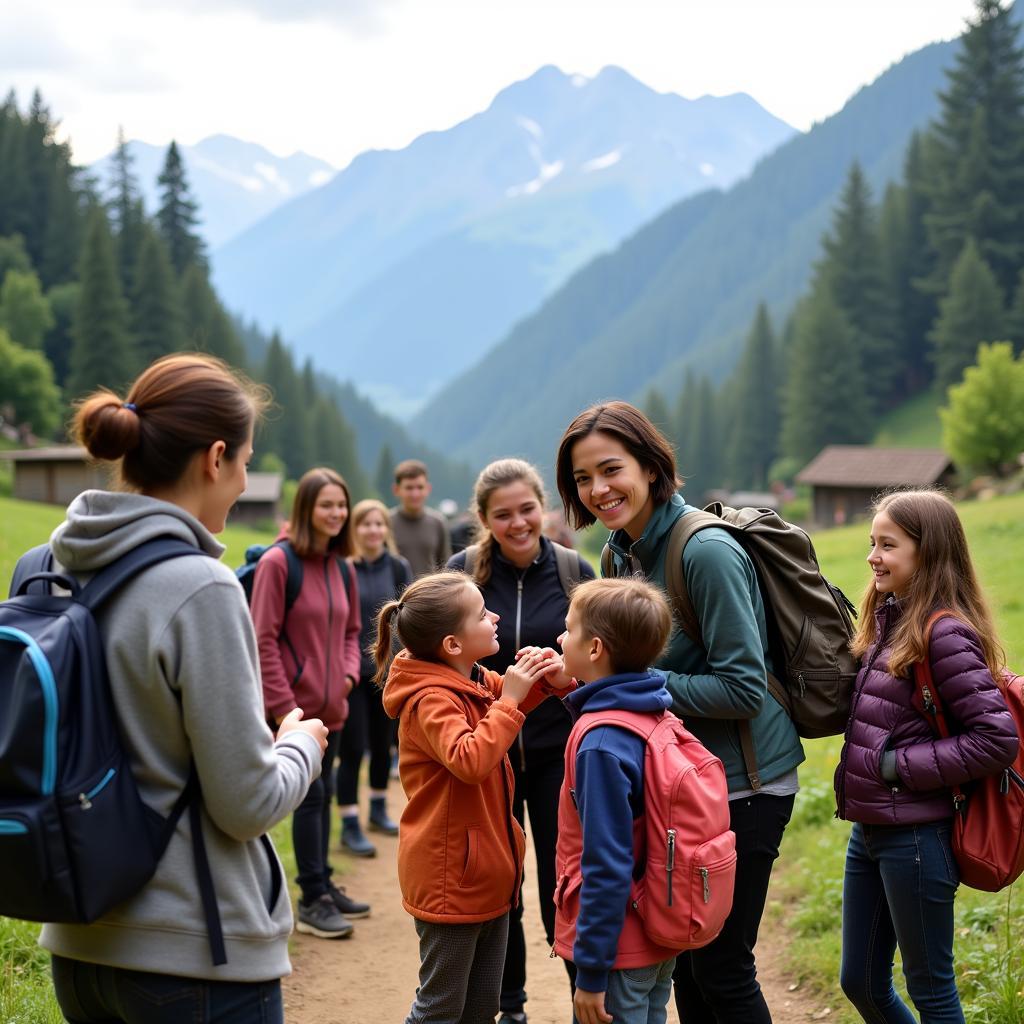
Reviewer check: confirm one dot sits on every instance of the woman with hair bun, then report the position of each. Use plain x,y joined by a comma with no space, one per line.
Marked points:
184,676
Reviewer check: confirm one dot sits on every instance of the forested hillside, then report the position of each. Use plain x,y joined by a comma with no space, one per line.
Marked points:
92,290
682,293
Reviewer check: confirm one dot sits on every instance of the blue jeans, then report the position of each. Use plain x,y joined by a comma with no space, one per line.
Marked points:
639,995
97,994
898,889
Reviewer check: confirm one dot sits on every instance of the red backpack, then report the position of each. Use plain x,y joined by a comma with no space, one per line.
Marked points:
685,891
988,826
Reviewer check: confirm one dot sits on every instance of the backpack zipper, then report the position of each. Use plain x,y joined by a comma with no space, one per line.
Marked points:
670,862
85,799
706,883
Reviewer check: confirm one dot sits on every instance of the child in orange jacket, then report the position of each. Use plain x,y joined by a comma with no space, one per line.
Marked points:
460,849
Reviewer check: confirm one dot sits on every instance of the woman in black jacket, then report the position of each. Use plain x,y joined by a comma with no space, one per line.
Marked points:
382,575
525,579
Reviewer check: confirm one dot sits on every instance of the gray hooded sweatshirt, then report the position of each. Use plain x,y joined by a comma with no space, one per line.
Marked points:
181,655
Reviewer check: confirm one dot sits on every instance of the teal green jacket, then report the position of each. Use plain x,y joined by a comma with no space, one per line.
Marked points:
725,679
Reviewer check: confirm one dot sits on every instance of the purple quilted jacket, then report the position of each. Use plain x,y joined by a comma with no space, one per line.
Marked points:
883,717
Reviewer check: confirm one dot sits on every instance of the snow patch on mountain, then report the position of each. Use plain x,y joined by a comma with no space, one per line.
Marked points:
599,163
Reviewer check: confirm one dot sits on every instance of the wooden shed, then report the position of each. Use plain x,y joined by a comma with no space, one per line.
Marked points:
260,502
55,475
846,478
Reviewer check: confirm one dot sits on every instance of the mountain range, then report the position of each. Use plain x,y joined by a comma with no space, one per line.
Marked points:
235,183
682,290
408,264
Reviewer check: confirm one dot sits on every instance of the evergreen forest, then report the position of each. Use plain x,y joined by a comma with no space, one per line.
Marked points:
906,287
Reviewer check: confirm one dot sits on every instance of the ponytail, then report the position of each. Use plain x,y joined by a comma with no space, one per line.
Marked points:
484,558
381,649
430,609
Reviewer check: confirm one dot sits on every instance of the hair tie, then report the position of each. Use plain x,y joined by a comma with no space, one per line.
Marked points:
132,406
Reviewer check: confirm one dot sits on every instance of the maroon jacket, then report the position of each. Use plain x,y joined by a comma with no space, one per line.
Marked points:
883,717
304,661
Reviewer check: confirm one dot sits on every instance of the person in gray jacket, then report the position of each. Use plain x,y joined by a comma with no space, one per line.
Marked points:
184,676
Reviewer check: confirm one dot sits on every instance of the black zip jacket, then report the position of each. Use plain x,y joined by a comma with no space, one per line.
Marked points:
532,606
376,587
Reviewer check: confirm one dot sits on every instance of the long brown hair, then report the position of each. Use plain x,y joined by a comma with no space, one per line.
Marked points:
427,612
178,406
944,578
499,473
300,526
636,433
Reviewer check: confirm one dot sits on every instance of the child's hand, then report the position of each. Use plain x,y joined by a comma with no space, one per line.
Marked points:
588,1007
293,722
554,675
531,665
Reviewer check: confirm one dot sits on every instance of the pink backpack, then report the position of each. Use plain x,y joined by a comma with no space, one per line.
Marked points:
685,891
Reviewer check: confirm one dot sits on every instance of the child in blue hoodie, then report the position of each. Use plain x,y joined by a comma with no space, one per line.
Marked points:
614,630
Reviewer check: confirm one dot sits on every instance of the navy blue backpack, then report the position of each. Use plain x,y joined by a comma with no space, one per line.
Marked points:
76,838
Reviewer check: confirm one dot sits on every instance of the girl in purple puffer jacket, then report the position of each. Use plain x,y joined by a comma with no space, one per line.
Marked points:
894,774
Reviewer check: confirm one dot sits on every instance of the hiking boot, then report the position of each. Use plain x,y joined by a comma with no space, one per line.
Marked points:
352,839
345,904
512,1018
323,919
379,818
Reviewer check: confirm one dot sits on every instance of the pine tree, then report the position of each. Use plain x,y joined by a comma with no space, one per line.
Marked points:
65,224
852,268
288,429
983,425
207,326
825,395
41,158
754,441
383,476
63,299
657,411
101,355
977,174
178,214
156,322
971,313
335,443
707,471
1015,317
24,309
127,212
686,402
15,218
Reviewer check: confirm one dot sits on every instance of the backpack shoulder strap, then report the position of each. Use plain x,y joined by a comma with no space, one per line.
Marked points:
397,575
567,561
346,573
675,581
470,565
112,577
293,579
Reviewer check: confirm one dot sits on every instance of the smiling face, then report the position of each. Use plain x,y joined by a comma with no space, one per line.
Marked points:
329,514
893,556
478,634
515,517
372,533
612,484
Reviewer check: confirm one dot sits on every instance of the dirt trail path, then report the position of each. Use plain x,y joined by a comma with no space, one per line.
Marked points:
372,976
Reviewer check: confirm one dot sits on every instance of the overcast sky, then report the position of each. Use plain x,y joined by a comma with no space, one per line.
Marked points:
336,77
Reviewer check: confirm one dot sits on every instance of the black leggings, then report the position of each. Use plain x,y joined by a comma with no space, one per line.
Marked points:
311,829
538,788
367,725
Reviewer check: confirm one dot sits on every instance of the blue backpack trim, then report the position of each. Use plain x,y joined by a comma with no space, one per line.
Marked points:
60,837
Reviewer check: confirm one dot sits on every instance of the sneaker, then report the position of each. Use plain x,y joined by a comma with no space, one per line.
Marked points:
323,919
345,904
512,1018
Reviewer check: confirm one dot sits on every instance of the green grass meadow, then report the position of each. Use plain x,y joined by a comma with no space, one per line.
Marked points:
805,902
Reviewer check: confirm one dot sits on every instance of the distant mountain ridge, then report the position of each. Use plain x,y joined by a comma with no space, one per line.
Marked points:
682,291
236,183
429,254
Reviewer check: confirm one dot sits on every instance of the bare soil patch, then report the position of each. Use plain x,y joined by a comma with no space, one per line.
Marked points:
372,976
